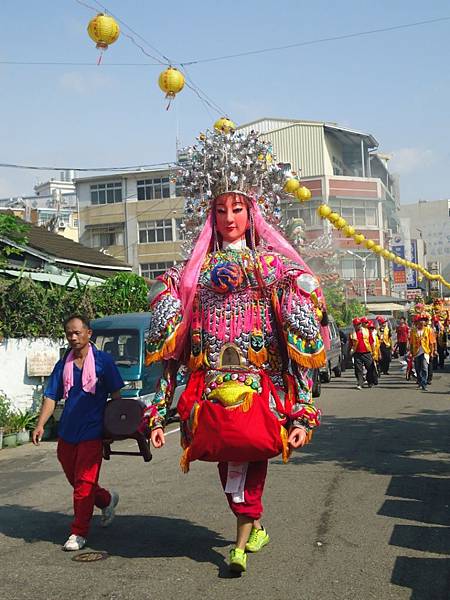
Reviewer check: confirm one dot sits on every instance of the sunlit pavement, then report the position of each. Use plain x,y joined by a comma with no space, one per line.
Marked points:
361,513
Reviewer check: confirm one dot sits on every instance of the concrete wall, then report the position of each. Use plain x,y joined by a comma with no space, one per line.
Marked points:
23,391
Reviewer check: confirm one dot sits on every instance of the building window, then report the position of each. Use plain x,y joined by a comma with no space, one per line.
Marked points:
153,270
102,237
155,231
106,193
352,268
355,213
307,213
151,189
179,232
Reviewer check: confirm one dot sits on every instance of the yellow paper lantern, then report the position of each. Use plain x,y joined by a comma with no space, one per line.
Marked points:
303,193
340,223
292,185
348,231
392,256
398,260
359,238
225,125
369,244
104,30
384,253
171,81
333,217
377,249
324,211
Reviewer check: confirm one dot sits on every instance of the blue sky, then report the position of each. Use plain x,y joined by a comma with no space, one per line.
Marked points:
394,85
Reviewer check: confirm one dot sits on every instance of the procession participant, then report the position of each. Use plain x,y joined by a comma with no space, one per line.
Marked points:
433,349
84,377
441,340
362,351
375,342
242,315
384,333
402,332
420,345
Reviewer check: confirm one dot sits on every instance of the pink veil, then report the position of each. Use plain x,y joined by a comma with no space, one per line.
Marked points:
191,271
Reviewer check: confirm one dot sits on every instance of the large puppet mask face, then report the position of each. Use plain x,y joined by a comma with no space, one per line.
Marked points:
231,216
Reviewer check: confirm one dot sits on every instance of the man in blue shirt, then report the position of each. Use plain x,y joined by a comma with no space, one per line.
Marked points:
84,378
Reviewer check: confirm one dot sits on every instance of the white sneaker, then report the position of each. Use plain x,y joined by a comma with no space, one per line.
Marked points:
75,542
109,512
358,387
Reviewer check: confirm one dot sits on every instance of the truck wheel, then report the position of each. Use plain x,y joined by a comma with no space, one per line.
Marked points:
337,371
326,376
317,384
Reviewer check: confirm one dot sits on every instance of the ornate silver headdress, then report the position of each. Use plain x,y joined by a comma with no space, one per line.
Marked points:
224,162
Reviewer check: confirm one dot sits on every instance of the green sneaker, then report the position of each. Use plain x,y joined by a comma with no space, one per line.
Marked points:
238,560
257,540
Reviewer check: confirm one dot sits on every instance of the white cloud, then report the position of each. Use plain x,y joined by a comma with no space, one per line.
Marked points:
84,83
407,160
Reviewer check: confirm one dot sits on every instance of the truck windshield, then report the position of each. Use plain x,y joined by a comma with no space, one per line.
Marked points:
123,345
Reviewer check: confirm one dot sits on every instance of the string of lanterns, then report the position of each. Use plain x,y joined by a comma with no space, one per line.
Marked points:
104,31
302,193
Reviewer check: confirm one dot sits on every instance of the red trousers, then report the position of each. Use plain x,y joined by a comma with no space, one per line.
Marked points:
81,464
253,490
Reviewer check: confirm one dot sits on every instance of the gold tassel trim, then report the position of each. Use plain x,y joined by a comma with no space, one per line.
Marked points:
286,452
167,349
314,361
248,401
195,362
185,460
258,358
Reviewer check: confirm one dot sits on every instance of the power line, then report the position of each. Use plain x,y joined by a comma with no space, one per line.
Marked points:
224,57
316,41
75,64
190,84
128,168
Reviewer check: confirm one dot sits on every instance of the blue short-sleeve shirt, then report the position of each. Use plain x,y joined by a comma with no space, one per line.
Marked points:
82,417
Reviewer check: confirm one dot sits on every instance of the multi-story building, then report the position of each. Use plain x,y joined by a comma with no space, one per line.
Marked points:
53,206
134,216
430,221
341,168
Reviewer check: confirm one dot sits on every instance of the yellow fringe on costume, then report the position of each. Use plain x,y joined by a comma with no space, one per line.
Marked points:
185,457
286,449
310,361
168,348
258,358
195,362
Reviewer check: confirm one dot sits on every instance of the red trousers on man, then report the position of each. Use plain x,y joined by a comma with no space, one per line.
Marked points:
253,490
81,463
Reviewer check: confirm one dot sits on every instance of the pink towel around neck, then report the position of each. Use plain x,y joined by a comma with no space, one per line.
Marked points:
88,377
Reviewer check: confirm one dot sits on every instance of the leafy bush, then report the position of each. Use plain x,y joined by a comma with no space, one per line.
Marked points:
32,309
5,409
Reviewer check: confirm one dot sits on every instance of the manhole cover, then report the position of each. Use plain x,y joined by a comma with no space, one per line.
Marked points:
90,556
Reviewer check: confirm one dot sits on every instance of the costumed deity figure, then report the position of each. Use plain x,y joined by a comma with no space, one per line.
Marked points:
243,316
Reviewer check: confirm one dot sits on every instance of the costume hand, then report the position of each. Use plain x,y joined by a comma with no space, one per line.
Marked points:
157,438
37,434
297,437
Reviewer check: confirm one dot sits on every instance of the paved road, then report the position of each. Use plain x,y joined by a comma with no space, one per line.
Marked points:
362,513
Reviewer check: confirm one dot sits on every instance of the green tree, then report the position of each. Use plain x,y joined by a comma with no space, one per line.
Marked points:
343,312
12,229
